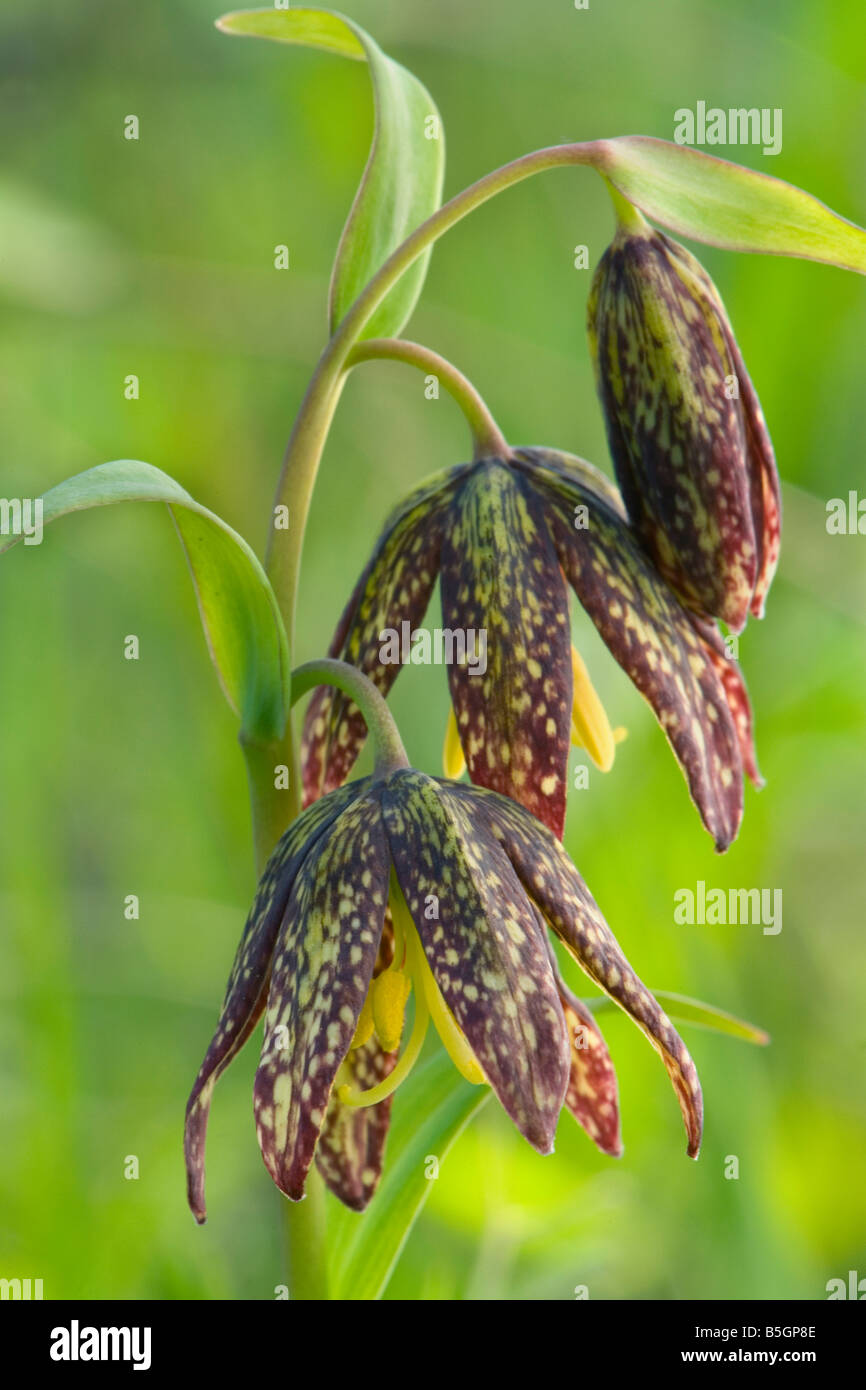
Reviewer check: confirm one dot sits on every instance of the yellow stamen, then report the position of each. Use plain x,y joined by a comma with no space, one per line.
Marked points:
449,1030
590,727
387,999
389,994
447,1027
360,1099
452,753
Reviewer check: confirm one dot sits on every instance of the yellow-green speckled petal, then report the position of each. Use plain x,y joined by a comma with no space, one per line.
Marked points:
485,946
351,1147
555,886
500,574
687,437
247,986
323,963
592,1095
661,645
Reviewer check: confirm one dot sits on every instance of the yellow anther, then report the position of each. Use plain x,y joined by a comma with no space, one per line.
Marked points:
446,1025
387,999
389,994
452,753
364,1026
590,727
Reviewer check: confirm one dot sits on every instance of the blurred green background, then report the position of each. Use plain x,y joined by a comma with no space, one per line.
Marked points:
156,258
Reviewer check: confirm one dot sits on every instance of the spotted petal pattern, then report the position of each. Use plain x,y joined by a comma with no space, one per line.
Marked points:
394,588
734,686
351,1147
323,964
557,889
592,1095
677,426
485,946
765,491
248,982
500,573
653,637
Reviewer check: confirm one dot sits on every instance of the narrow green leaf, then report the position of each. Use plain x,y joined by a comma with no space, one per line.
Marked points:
239,612
684,1010
712,200
402,181
431,1108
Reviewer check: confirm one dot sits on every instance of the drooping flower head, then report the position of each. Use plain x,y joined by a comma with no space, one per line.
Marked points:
687,436
506,536
402,885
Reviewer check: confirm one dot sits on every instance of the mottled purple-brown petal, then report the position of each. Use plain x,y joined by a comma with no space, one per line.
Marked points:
665,371
323,963
500,574
247,986
394,588
485,946
351,1147
764,483
555,886
734,686
656,640
765,491
592,1095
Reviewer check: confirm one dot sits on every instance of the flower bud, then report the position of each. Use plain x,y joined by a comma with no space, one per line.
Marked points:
691,452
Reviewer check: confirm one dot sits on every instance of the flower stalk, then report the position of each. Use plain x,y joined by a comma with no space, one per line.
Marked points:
310,432
387,743
487,437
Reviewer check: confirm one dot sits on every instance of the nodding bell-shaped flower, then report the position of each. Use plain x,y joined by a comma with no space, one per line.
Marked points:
402,886
690,448
507,536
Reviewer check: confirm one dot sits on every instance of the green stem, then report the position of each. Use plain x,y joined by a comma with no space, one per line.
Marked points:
273,808
314,418
487,437
305,1242
628,218
390,753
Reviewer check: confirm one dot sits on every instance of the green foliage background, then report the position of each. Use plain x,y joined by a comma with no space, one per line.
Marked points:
120,777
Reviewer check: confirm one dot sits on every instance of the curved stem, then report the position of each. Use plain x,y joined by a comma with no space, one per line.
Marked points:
317,409
390,753
487,436
628,218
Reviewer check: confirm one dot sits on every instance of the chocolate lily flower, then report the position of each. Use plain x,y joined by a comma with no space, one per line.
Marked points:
473,882
688,440
507,535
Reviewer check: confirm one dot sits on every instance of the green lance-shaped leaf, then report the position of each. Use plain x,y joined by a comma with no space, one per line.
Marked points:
685,1010
239,612
402,182
433,1106
712,200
